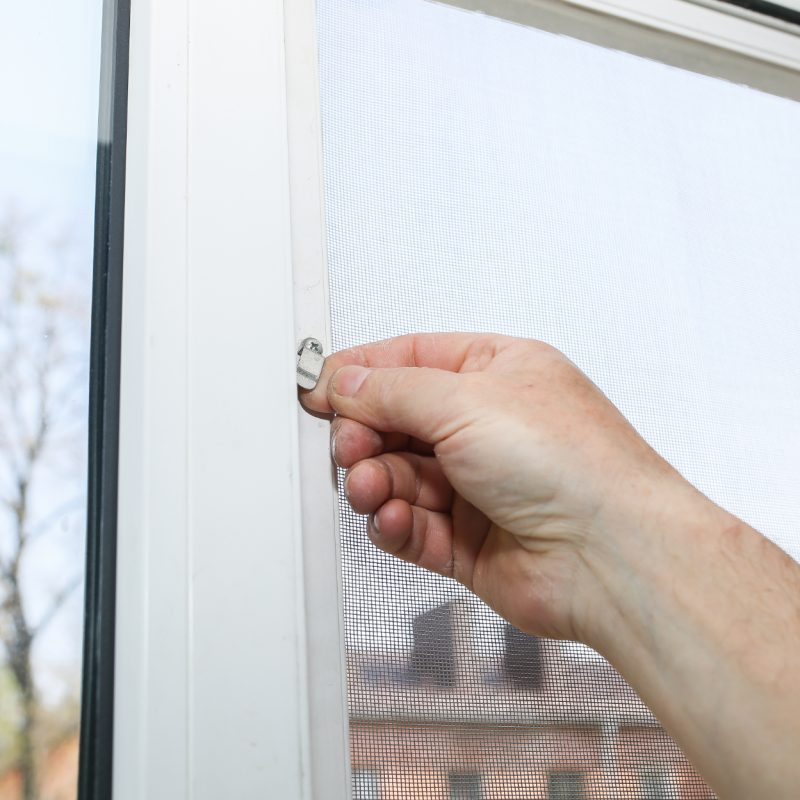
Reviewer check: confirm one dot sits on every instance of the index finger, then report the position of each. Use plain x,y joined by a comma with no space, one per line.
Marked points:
447,351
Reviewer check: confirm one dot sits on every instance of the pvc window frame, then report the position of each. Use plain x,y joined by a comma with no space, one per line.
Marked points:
705,36
230,672
229,657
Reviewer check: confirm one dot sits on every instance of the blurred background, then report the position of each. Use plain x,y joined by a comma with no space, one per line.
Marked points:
49,79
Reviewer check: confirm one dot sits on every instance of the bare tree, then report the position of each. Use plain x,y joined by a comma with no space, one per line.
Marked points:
39,369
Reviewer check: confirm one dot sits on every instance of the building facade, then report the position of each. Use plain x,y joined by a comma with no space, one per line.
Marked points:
524,721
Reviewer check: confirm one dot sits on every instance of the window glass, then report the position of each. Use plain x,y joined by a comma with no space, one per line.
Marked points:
482,175
656,785
50,61
465,786
566,786
365,784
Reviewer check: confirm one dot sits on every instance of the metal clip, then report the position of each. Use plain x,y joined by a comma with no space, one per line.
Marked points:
309,363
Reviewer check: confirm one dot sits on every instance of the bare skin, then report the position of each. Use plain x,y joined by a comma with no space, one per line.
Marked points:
497,462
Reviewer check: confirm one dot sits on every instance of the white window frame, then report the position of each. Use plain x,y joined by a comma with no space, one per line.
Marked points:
229,660
230,678
705,36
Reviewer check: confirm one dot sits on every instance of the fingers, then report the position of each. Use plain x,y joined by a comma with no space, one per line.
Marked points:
414,534
444,543
416,479
444,351
425,403
352,442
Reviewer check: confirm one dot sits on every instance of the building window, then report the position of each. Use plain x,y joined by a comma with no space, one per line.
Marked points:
565,786
365,784
433,659
522,660
656,785
466,786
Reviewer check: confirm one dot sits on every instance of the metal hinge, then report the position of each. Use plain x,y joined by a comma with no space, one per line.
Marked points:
309,363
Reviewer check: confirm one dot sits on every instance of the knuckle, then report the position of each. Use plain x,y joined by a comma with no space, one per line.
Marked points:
388,473
480,353
404,482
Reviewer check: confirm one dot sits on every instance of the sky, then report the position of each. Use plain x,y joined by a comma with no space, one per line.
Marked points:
49,81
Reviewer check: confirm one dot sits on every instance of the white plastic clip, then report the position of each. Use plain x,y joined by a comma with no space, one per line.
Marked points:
309,363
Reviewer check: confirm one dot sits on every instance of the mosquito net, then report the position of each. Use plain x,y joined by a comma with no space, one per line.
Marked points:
481,175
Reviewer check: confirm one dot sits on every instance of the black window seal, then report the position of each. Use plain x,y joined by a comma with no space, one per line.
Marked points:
97,694
767,9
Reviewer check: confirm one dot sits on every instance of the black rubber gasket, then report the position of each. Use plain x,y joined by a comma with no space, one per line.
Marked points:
774,10
97,695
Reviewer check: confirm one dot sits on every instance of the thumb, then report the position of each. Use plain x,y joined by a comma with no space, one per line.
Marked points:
419,401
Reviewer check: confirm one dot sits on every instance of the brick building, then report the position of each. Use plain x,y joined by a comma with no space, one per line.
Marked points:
450,721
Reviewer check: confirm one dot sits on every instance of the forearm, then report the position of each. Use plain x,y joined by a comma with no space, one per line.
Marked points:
702,616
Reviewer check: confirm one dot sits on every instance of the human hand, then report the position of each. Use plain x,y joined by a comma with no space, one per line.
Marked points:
497,462
494,461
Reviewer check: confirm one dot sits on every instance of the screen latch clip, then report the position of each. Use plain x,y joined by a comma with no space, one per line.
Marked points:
309,363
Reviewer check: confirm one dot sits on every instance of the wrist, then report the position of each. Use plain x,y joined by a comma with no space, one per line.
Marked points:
699,613
645,547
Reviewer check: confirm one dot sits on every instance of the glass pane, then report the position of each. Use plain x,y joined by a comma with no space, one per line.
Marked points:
482,175
50,61
566,786
656,786
365,784
465,787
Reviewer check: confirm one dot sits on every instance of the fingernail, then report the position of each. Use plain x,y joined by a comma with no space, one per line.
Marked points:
334,434
347,380
375,524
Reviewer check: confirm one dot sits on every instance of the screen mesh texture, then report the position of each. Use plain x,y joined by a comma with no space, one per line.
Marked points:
482,175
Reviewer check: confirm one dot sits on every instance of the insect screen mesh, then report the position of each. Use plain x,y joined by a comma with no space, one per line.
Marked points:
486,176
